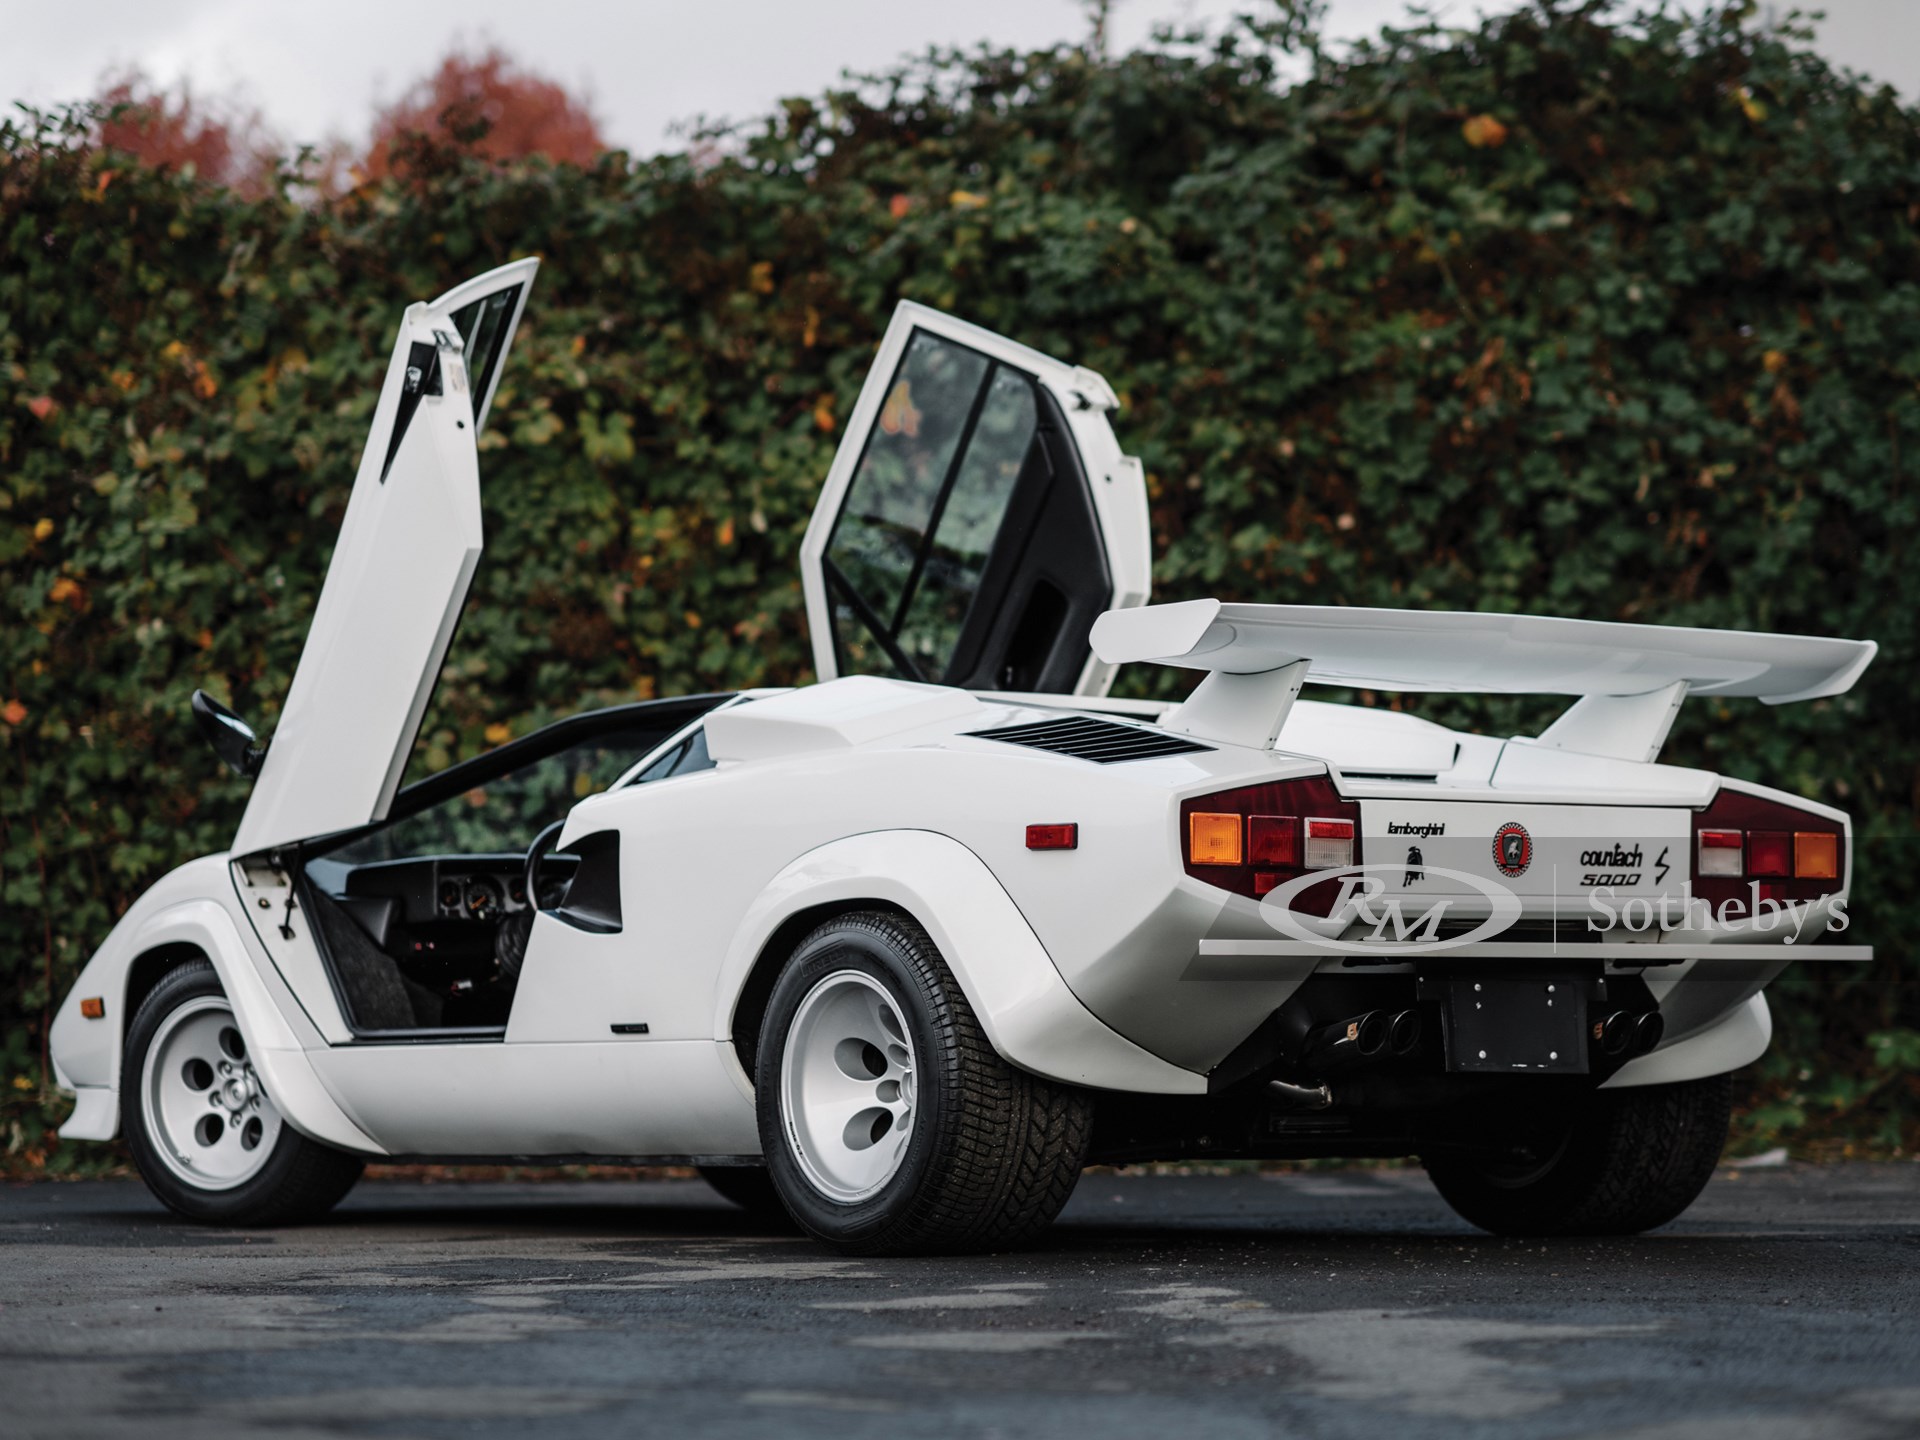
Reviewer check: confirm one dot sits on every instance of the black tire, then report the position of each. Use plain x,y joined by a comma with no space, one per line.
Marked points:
1629,1161
300,1180
751,1188
995,1152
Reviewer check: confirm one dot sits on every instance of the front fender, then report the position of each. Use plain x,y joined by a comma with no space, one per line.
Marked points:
185,909
1030,1016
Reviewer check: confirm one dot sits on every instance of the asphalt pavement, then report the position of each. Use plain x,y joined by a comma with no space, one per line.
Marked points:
1320,1304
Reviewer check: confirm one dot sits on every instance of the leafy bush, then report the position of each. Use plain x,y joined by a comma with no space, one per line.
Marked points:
1579,312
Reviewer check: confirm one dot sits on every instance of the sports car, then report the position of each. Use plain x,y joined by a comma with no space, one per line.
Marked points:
896,954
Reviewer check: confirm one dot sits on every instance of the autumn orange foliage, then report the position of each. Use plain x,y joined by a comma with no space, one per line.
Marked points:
170,129
488,105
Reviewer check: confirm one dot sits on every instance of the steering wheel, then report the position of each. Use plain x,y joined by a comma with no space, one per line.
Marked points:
511,935
536,852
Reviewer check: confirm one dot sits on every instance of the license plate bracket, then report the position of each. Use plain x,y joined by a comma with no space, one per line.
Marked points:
1516,1023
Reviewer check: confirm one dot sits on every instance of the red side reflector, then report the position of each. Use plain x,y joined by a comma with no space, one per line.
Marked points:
1263,881
1273,840
94,1008
1768,853
1053,837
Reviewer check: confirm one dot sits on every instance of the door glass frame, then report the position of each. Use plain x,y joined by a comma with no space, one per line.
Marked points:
1114,483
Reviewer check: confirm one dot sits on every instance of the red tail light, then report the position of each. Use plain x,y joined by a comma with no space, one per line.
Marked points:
1770,853
1255,838
1742,839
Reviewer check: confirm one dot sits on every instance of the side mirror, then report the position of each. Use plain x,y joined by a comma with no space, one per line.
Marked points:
232,738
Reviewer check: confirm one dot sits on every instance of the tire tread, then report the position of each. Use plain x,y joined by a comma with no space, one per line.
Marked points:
303,1180
1637,1159
1014,1143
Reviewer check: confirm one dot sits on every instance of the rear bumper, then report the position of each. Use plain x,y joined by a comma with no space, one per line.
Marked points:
1708,995
1242,959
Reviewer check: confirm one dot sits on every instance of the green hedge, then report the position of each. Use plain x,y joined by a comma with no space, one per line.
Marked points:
1582,313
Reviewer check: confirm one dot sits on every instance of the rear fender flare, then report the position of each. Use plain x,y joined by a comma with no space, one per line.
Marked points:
1030,1017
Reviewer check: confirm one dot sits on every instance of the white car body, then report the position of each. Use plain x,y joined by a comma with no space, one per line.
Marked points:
1117,965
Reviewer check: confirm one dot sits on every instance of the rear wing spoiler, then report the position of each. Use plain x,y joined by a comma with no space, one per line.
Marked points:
1630,678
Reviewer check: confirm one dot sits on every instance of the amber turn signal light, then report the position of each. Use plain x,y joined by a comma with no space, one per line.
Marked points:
1816,855
1214,837
94,1008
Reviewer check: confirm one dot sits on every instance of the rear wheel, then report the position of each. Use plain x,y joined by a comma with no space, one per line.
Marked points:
889,1125
1628,1161
204,1133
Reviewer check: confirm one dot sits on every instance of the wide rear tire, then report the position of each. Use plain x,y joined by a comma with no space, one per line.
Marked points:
889,1124
1629,1160
205,1135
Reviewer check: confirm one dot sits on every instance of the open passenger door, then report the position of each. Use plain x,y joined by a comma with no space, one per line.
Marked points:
393,592
978,517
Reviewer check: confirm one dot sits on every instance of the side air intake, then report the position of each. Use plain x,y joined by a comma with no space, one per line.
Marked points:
1101,741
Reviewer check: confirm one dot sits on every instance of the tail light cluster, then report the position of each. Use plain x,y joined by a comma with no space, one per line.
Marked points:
1257,837
1741,840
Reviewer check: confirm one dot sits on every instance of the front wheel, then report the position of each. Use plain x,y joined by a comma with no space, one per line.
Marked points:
1625,1161
204,1133
889,1124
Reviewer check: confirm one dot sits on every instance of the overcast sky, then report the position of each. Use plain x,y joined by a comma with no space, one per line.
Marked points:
319,70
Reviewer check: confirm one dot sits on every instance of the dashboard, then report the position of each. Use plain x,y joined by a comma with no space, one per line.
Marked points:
445,908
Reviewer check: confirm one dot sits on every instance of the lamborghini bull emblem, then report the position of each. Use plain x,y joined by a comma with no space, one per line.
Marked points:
1512,849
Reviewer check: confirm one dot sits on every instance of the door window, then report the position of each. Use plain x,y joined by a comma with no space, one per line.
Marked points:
485,326
926,505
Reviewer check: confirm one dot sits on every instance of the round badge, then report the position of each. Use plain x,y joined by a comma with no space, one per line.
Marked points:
1512,849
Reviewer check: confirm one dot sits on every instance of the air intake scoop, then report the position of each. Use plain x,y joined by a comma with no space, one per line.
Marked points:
836,715
1102,741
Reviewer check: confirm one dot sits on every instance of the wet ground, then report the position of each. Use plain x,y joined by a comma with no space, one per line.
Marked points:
1322,1304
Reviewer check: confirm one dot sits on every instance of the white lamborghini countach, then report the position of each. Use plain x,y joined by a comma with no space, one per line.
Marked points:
901,951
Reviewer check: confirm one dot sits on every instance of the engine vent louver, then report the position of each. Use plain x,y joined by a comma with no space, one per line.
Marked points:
1101,741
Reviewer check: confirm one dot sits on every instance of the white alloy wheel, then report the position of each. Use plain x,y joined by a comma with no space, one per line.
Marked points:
207,1113
847,1086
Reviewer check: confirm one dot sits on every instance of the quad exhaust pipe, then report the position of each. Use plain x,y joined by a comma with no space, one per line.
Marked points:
1379,1035
1364,1039
1624,1033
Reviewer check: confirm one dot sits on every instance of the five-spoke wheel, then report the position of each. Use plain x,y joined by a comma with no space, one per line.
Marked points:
847,1083
204,1102
202,1126
889,1124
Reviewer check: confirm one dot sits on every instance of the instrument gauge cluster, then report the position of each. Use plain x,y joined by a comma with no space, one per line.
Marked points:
484,897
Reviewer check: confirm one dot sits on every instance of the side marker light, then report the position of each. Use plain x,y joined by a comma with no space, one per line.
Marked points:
1053,837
